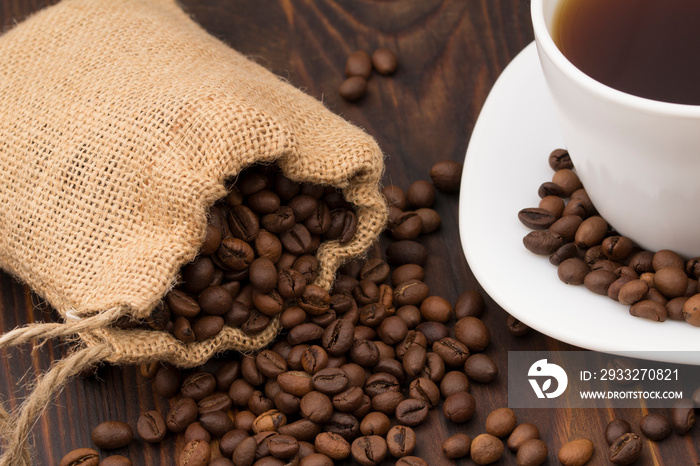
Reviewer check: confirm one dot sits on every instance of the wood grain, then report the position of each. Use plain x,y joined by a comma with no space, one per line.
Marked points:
451,53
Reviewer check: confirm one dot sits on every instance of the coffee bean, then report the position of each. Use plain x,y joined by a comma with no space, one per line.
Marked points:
116,460
358,63
473,333
384,61
195,431
198,385
521,434
407,272
353,88
459,407
552,204
182,414
649,309
151,427
435,309
400,441
550,189
486,449
406,252
655,426
392,330
598,281
330,381
469,304
375,423
430,220
270,363
364,352
454,382
566,227
626,449
387,402
245,452
542,242
302,430
269,421
420,194
501,422
572,271
348,400
316,459
217,423
481,368
567,180
181,304
338,337
369,450
425,390
81,457
109,435
406,226
446,176
576,452
456,446
207,327
332,445
566,251
591,232
197,275
532,452
453,352
682,416
411,412
283,446
221,462
559,158
279,222
195,453
304,332
182,330
515,327
536,218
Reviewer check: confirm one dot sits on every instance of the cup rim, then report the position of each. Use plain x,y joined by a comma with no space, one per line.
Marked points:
547,45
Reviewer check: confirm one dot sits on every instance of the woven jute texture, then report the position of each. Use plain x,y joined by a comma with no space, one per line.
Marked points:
121,120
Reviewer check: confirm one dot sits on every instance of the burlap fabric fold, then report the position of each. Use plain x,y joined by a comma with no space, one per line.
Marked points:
121,120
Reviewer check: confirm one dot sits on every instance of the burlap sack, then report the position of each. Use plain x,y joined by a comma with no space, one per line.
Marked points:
121,120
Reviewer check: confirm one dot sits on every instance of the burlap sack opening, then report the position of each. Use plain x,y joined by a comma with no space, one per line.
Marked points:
121,121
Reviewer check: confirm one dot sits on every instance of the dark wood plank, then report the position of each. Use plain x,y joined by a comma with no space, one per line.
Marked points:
451,53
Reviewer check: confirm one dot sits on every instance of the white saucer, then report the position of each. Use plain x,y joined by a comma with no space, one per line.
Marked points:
505,164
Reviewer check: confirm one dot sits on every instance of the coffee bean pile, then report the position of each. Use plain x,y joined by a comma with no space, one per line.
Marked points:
587,251
358,69
354,371
257,259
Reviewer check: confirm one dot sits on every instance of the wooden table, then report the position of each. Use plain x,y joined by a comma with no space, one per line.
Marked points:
451,52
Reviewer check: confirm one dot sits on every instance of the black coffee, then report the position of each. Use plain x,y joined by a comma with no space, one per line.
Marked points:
648,48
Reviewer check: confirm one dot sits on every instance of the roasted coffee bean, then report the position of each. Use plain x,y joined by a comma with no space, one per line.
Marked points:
269,421
313,359
430,220
406,226
626,449
151,427
244,420
207,327
344,424
369,450
195,431
387,402
279,222
358,63
235,254
454,382
182,304
400,441
364,352
407,272
198,385
217,423
549,188
469,304
316,459
559,158
433,331
348,400
566,227
420,194
598,281
542,242
166,383
267,246
243,222
182,414
501,422
655,426
375,423
109,435
435,309
384,61
453,352
330,381
366,292
566,251
552,204
258,403
632,292
446,176
412,292
481,368
521,434
314,300
270,363
411,461
425,390
406,252
265,201
392,330
515,327
338,337
319,221
245,452
304,332
237,314
226,374
486,449
196,275
573,271
591,232
332,445
302,430
81,457
649,309
215,300
532,453
434,368
283,446
457,446
221,462
536,218
473,333
116,460
182,330
380,383
671,281
459,407
576,452
353,88
682,416
411,412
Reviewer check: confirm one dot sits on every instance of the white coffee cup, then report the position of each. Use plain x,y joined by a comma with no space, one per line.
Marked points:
638,159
